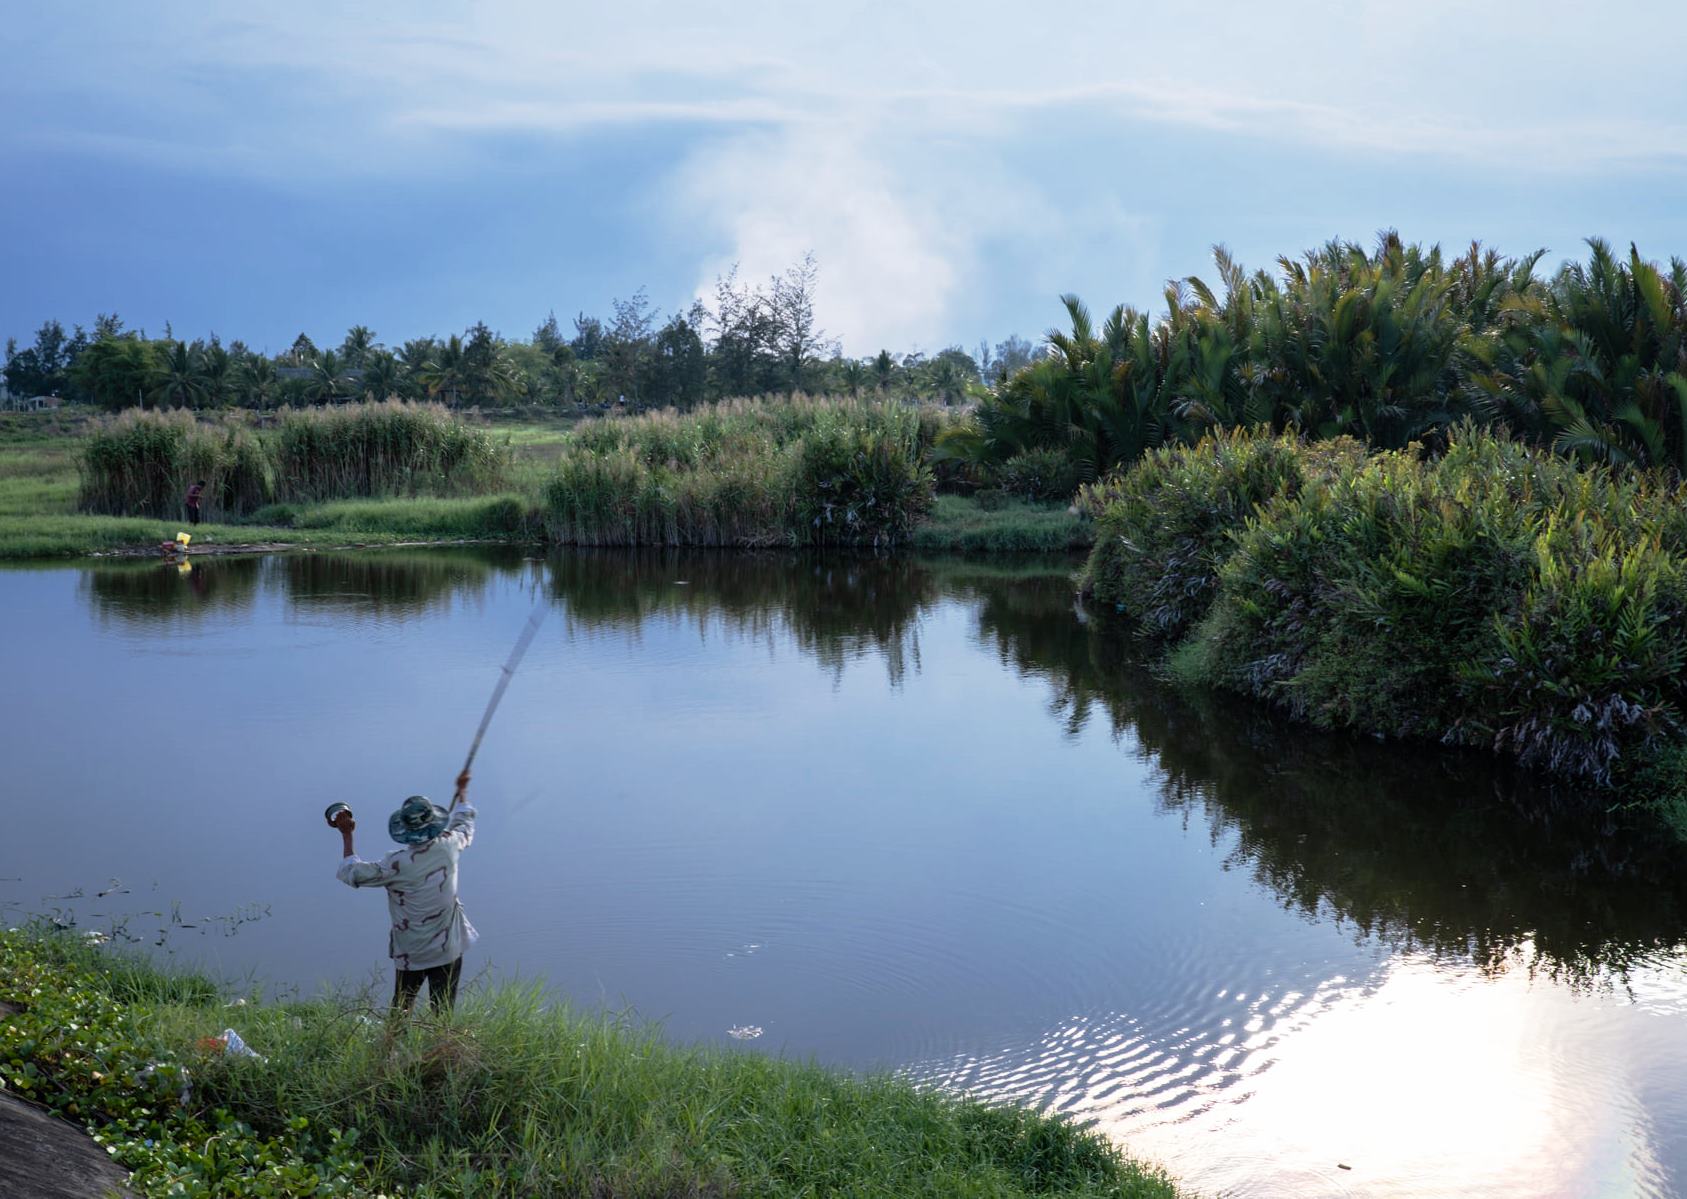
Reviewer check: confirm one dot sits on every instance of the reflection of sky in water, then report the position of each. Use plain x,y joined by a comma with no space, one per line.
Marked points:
869,840
1429,1081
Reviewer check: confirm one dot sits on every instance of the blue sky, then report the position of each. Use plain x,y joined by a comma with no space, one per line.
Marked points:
262,169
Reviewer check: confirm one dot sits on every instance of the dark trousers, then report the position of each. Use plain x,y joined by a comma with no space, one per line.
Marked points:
193,516
442,986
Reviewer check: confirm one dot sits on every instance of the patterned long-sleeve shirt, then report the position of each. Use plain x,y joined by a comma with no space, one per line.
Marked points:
428,925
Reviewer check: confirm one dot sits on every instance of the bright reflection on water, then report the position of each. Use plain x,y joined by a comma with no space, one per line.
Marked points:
892,814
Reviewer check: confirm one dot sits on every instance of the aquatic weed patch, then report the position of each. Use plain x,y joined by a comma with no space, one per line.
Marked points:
77,1049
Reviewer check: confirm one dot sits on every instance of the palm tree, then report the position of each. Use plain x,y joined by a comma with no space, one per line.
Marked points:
381,376
255,382
181,383
884,367
444,373
217,370
413,358
328,380
355,349
1597,364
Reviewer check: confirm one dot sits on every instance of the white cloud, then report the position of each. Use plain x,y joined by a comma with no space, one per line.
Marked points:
889,266
865,131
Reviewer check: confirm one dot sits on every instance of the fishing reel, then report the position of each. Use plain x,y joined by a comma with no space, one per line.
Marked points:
333,813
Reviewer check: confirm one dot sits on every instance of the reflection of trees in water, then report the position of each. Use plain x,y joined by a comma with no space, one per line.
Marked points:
1414,845
378,583
154,592
392,583
835,608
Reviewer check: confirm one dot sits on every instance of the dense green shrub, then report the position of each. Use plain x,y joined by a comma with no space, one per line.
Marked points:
1497,595
1165,527
1392,345
857,486
1040,474
1357,602
1585,677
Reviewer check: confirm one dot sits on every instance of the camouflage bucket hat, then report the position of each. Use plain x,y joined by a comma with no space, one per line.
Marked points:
418,819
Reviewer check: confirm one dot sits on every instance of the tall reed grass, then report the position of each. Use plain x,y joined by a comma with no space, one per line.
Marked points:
389,447
142,462
772,471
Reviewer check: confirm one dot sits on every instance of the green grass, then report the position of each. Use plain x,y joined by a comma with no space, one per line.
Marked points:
37,465
39,516
733,474
508,515
27,538
965,524
520,1096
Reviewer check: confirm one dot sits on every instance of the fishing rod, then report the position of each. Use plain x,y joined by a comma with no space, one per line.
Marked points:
530,631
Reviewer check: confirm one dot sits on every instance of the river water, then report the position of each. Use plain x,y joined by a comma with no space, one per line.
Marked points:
891,814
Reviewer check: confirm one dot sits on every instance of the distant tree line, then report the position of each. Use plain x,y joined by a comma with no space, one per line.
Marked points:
751,339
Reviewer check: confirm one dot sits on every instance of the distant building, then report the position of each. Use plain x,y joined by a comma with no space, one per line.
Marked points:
11,403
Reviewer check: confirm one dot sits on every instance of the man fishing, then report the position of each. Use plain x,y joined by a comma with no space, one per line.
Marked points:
429,930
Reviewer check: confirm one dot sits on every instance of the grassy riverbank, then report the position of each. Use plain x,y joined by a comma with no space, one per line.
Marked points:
778,472
512,1098
994,524
1497,596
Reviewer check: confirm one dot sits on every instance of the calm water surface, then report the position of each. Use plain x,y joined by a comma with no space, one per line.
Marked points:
910,815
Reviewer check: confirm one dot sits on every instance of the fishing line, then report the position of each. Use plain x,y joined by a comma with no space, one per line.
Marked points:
526,639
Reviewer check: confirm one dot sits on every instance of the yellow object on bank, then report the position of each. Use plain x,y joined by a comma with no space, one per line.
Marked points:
183,538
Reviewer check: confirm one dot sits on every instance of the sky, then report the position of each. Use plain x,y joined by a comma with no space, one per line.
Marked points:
262,169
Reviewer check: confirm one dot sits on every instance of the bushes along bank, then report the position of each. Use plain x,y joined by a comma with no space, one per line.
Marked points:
1497,595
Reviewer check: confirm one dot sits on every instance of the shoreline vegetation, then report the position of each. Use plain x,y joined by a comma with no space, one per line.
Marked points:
1390,491
513,1096
777,471
1495,596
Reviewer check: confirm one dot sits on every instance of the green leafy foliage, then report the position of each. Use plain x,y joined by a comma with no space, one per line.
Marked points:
78,1049
1390,346
1039,474
384,448
1165,527
1496,595
858,486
